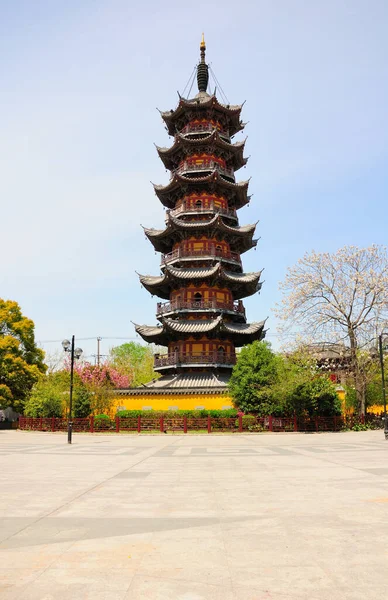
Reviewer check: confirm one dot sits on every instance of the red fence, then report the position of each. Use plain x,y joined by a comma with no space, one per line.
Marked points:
149,423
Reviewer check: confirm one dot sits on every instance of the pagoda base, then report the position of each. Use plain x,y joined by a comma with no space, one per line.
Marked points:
182,391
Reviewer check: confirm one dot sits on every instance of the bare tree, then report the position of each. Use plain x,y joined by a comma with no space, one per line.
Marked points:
54,360
339,297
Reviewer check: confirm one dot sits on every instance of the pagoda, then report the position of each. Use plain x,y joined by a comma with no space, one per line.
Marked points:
201,318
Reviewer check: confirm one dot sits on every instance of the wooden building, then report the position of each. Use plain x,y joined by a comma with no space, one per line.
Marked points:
201,318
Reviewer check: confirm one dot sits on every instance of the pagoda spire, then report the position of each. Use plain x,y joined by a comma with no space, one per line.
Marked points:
202,68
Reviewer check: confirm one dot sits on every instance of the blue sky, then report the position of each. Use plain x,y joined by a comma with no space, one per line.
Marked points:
80,83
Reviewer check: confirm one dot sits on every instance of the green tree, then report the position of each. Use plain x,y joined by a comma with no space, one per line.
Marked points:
49,396
293,370
82,405
252,379
21,361
135,361
317,397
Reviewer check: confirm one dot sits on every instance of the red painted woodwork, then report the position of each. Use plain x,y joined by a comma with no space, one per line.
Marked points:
203,126
209,358
177,304
209,250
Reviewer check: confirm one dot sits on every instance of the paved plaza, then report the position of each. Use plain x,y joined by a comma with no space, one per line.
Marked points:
194,517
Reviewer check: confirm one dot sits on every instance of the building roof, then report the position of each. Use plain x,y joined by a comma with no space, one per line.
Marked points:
214,182
184,146
172,329
239,236
202,382
240,284
203,103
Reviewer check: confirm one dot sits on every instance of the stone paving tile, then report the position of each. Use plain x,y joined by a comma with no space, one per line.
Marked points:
234,517
146,588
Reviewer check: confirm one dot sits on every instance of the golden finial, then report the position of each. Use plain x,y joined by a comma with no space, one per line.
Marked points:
203,45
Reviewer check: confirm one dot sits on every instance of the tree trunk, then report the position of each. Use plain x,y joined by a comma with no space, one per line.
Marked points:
358,383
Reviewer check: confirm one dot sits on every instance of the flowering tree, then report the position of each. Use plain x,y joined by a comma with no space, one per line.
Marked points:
99,381
339,297
100,376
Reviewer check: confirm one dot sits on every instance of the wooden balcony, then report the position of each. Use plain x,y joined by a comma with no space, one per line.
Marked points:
212,253
200,305
187,168
174,359
203,207
191,129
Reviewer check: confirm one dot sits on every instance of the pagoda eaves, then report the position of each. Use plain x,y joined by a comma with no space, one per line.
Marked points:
186,146
235,193
201,269
177,229
203,105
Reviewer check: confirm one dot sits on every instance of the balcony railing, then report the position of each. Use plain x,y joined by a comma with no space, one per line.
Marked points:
202,253
203,207
203,128
198,305
206,165
200,358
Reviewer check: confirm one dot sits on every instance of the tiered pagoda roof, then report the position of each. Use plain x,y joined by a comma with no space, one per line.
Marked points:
241,236
201,271
180,185
172,329
240,284
204,104
184,146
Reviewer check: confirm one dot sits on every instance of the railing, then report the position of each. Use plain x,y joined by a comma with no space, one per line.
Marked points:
203,128
185,423
211,358
203,208
206,165
213,304
202,253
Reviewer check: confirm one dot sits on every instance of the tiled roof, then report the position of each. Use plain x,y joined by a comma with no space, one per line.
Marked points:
171,220
151,279
183,383
215,175
243,328
192,326
181,139
194,273
169,156
245,284
162,334
203,99
236,192
162,239
242,277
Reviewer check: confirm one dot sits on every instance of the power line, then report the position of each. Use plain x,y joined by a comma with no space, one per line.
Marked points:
87,338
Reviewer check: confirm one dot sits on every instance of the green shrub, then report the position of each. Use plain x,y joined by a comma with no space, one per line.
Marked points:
47,398
257,427
362,427
102,418
230,412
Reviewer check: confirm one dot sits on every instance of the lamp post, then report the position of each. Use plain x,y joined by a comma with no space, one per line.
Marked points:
74,353
381,350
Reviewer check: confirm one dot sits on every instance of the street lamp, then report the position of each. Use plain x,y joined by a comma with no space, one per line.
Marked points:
383,347
74,353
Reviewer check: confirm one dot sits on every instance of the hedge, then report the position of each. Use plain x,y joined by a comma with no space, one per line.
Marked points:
229,412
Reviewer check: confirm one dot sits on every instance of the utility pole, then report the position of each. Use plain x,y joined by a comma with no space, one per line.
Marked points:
98,351
381,353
